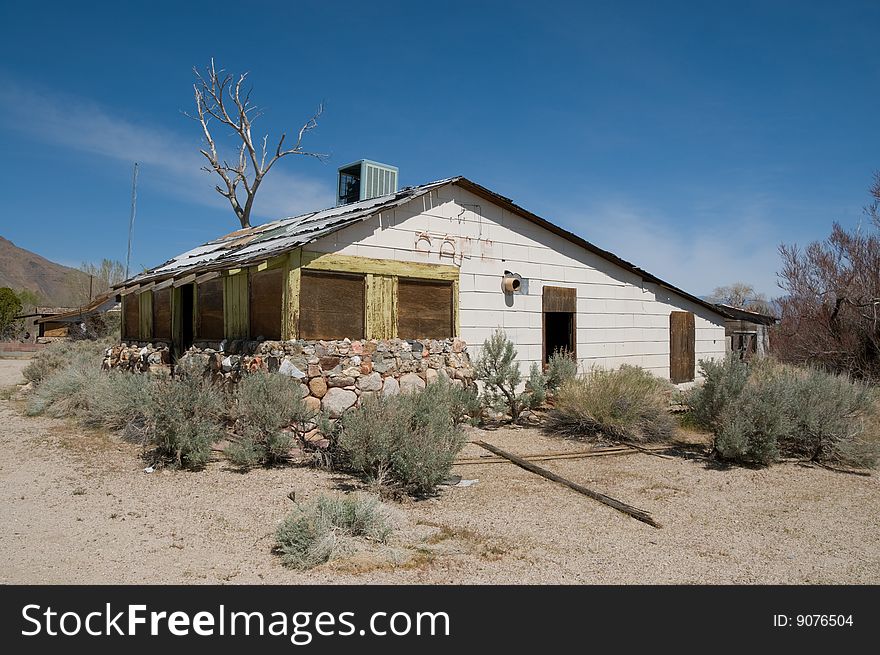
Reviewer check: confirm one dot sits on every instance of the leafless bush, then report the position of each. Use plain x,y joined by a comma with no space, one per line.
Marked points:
831,313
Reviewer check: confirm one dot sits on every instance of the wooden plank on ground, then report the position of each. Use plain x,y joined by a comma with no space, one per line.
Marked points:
635,512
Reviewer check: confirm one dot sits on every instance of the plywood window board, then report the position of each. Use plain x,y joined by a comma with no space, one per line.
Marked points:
331,306
162,314
131,316
424,309
266,303
209,310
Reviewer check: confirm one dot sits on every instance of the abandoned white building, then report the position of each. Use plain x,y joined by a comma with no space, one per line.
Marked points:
445,259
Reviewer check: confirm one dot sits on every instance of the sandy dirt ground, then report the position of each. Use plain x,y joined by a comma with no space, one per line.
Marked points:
10,371
77,507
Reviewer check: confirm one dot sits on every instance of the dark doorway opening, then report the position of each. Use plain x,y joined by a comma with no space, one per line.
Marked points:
559,333
185,338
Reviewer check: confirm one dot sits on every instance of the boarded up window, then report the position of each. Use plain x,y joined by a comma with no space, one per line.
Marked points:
424,309
266,303
682,347
162,314
559,299
331,306
131,318
209,310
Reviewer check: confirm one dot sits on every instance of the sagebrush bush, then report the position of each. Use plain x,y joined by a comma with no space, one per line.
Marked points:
835,419
723,382
308,536
766,410
61,354
625,404
561,367
536,387
187,419
467,403
65,392
409,440
118,399
269,413
751,424
72,385
499,371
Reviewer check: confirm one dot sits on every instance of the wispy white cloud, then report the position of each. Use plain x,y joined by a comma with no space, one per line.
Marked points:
697,258
170,160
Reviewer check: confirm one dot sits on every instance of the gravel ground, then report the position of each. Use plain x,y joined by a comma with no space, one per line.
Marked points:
77,508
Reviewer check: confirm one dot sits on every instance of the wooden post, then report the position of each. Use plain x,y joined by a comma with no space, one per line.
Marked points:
145,300
380,314
292,278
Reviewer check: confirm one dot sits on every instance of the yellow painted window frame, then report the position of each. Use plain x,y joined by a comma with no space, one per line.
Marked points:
381,276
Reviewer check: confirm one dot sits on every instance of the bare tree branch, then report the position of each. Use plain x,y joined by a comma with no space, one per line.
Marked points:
221,98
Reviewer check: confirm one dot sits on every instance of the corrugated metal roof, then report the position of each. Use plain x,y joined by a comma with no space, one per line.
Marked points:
255,244
261,242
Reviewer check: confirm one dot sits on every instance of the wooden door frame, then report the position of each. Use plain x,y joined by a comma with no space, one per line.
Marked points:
560,300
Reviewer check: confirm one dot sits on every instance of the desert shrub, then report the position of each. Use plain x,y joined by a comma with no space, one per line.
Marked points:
751,424
496,366
187,419
309,535
724,381
835,419
117,400
467,403
627,404
66,391
409,440
761,411
72,385
60,355
536,387
560,367
269,413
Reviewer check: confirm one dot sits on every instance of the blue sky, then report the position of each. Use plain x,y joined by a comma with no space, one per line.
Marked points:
690,138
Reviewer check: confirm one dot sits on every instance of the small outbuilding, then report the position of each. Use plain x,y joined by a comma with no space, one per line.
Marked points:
59,324
747,331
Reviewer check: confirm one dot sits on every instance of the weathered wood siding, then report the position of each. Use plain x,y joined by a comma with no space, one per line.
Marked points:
620,318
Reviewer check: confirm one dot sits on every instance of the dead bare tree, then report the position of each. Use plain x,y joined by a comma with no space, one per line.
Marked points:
743,296
222,98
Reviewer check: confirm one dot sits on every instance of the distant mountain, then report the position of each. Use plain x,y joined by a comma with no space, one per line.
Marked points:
23,269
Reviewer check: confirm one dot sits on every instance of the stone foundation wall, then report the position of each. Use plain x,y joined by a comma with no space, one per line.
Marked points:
335,375
139,357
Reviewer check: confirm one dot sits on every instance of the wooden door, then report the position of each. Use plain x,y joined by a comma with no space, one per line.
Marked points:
682,347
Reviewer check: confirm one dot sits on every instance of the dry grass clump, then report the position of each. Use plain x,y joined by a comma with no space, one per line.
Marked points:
624,404
316,532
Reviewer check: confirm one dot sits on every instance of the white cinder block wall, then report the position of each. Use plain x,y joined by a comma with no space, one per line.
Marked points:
620,319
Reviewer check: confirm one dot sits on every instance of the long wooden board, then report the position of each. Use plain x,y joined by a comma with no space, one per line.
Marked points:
635,512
